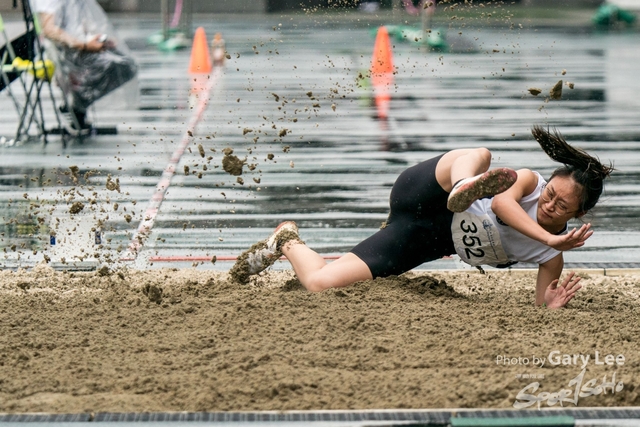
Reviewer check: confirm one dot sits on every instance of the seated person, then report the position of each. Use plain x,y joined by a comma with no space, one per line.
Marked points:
90,62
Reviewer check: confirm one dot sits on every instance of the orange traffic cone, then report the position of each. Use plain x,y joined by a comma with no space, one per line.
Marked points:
200,58
382,61
382,72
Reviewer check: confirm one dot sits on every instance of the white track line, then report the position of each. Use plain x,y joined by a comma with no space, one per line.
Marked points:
144,229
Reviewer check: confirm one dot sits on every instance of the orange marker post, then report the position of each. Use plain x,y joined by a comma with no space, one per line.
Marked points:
218,50
382,72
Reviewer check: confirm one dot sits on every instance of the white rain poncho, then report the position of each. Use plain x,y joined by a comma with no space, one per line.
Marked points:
86,76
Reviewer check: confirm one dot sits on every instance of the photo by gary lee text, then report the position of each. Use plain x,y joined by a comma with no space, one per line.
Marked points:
556,358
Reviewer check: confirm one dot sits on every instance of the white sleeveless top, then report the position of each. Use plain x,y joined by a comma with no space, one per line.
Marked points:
481,238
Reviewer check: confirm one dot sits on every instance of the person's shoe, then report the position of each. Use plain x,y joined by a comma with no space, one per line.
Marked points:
263,254
488,184
74,118
284,232
81,116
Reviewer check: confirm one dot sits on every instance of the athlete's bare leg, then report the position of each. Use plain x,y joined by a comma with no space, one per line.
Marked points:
459,164
316,275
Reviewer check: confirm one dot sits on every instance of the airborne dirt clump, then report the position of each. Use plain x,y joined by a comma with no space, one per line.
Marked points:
75,170
113,185
76,207
187,340
556,91
231,163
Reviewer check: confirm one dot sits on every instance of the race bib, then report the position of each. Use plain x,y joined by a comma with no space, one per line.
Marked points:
477,240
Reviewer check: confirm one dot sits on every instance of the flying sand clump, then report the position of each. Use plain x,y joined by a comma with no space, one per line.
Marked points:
231,163
556,91
112,185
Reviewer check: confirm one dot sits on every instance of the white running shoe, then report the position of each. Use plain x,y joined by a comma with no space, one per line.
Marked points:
488,184
263,254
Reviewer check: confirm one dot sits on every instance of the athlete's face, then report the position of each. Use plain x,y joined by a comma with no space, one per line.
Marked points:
558,203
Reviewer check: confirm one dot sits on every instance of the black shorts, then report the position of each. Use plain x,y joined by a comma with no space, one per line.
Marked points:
419,225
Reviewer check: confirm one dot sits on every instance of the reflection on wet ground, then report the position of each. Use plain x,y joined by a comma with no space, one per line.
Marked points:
291,102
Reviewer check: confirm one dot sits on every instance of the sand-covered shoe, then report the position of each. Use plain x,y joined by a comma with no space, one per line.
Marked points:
283,233
263,254
488,184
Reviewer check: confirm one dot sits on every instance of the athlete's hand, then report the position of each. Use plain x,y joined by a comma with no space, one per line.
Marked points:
573,239
558,296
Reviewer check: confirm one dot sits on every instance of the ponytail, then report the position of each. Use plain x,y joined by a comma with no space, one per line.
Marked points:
585,169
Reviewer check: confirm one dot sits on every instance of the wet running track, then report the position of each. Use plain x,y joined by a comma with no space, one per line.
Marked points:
290,100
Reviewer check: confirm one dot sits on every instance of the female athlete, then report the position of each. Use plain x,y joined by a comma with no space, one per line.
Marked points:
454,203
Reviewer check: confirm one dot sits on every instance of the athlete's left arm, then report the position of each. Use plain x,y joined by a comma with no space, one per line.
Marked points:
547,290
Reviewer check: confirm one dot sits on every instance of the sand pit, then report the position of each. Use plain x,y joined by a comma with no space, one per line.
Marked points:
185,340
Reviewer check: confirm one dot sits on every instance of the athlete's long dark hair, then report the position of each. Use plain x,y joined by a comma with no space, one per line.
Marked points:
585,169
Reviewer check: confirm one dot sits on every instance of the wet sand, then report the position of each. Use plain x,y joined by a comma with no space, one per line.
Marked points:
186,340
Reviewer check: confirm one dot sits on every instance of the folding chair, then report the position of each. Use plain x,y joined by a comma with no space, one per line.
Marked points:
22,59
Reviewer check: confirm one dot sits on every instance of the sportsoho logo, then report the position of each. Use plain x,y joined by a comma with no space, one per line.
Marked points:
577,387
